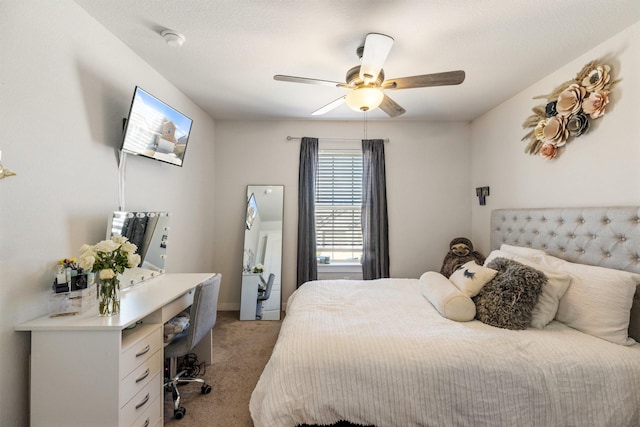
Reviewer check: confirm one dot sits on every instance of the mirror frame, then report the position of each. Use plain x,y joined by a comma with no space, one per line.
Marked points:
153,236
262,245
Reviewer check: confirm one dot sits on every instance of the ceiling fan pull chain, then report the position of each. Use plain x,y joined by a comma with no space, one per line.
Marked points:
365,124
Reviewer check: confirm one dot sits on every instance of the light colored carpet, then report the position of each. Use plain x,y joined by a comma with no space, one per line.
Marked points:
241,349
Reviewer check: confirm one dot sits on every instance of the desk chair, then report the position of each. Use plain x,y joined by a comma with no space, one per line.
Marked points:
202,318
263,294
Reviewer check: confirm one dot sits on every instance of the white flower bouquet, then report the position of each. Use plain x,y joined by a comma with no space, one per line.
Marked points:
109,258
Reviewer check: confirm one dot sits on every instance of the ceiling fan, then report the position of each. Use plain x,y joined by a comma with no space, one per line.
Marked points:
367,82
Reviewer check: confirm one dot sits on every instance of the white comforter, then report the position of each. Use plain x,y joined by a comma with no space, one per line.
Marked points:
378,353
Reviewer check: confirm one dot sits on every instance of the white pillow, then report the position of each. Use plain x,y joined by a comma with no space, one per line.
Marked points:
498,254
599,300
446,298
471,277
522,251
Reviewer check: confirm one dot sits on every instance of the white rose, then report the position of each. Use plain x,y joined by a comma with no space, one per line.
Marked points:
133,260
106,274
106,246
86,249
119,239
86,261
129,247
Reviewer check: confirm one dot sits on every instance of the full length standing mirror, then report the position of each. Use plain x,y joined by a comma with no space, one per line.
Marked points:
262,258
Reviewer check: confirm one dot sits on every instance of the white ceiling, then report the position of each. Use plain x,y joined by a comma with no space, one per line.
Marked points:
234,48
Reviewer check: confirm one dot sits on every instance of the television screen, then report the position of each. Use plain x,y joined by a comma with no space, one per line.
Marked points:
155,130
252,211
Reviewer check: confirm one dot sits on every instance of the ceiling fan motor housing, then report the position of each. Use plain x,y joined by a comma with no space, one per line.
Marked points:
353,77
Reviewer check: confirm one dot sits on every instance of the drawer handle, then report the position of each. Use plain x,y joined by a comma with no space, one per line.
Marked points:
144,401
143,376
146,423
145,351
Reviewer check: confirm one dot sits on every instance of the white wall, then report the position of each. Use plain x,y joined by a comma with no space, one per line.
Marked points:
601,167
65,86
428,174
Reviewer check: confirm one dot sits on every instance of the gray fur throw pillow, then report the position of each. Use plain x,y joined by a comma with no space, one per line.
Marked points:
507,301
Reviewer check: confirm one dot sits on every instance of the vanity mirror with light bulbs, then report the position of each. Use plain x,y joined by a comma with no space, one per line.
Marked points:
149,231
262,256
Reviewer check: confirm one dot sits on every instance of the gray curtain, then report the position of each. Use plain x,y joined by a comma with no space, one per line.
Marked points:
375,222
307,264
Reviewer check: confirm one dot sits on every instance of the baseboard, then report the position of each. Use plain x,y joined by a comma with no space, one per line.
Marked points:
232,306
228,306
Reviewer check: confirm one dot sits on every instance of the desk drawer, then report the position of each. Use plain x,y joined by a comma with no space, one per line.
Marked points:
177,305
136,380
140,348
152,417
142,401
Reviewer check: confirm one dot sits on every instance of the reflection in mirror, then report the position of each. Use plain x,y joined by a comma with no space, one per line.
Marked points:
149,231
262,259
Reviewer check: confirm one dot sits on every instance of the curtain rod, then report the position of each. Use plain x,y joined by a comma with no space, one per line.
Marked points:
290,138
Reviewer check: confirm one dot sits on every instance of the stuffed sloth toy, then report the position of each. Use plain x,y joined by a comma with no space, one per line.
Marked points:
460,252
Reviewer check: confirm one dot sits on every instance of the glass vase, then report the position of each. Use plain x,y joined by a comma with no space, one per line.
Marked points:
108,296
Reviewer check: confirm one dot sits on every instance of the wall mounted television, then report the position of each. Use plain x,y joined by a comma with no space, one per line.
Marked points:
155,130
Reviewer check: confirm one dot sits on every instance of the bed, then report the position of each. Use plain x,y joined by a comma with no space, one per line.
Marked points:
380,353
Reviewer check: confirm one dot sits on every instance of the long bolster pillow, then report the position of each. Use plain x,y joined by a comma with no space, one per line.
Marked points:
450,301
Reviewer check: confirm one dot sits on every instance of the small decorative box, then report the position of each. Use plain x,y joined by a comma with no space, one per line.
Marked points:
75,302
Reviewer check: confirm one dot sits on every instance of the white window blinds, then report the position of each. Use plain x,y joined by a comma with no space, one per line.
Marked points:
338,206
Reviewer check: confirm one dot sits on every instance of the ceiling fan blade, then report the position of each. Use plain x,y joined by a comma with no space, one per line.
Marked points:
295,79
376,49
426,80
330,106
391,107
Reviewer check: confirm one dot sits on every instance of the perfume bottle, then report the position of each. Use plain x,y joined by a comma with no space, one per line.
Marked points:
61,276
67,275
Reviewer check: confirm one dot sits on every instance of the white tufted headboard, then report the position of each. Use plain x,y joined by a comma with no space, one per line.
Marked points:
604,236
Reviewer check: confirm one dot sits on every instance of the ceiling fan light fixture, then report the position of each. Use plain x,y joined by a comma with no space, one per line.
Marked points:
364,98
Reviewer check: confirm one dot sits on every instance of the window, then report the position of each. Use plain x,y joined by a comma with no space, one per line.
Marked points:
338,206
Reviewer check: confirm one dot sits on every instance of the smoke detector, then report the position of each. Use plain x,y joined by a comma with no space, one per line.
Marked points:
173,38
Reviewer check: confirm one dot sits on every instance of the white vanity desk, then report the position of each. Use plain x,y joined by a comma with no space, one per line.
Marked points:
249,296
88,370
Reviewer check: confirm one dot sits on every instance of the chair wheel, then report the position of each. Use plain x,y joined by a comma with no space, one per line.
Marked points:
179,413
205,389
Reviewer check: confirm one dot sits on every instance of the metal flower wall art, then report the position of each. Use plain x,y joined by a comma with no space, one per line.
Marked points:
4,172
569,110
